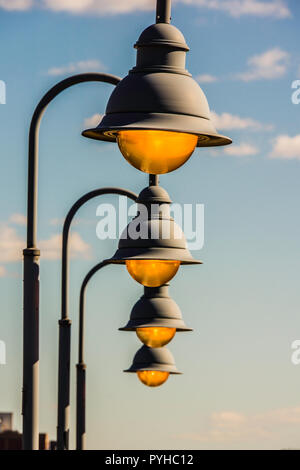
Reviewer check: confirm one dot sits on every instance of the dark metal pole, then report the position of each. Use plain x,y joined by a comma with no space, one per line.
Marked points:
81,366
31,255
163,11
153,180
30,391
64,355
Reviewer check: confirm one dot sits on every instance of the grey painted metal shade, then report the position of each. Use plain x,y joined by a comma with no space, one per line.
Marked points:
153,359
156,309
153,234
159,93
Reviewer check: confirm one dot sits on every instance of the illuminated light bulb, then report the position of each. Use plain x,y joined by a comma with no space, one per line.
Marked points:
156,152
155,337
152,273
152,378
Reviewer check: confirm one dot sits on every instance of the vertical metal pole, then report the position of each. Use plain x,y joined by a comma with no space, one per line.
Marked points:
80,406
64,356
163,11
30,405
64,384
81,366
65,322
81,376
153,180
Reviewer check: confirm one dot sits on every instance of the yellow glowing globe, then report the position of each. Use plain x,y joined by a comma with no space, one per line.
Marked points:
152,378
156,152
152,273
155,337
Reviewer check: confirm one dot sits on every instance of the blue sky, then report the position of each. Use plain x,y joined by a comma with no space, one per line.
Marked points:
239,388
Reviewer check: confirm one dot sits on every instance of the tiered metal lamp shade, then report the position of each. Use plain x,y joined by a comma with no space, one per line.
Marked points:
153,235
159,93
153,359
156,309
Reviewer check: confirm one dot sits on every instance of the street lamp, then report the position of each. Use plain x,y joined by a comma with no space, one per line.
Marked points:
154,310
153,365
152,245
158,240
155,317
64,354
31,254
157,115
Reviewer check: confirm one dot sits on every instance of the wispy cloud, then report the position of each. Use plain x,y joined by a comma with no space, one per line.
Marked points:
227,121
92,121
269,65
241,150
101,7
206,78
12,244
16,5
18,219
286,147
277,9
231,426
78,67
237,8
2,271
51,248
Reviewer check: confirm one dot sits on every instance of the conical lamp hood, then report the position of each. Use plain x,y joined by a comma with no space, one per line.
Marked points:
159,93
153,235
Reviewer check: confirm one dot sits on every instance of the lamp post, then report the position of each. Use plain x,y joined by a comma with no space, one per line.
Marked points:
154,313
158,115
129,250
81,366
64,354
30,391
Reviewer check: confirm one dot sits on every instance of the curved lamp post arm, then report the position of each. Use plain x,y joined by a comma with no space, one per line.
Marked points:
66,229
64,355
30,401
81,366
34,142
84,284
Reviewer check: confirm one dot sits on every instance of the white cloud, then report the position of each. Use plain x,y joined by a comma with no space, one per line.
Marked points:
56,222
12,245
92,121
271,64
206,78
51,248
286,147
18,219
227,121
236,8
2,271
73,6
15,5
230,426
77,67
242,150
101,7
